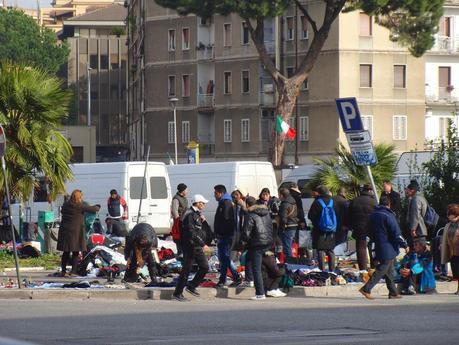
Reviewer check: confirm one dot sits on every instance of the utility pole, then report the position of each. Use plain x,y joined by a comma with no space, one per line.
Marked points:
89,94
296,101
278,66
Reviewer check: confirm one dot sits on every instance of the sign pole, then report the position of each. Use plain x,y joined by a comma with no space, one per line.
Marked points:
8,200
372,181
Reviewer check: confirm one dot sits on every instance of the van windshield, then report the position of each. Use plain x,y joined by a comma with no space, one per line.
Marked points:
158,187
135,188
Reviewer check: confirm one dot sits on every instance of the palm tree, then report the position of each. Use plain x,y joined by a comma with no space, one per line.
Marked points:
341,171
32,106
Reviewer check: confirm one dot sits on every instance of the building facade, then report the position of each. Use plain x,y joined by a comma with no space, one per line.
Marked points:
442,77
98,60
226,101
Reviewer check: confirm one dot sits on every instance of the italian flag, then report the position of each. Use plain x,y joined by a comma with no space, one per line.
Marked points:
284,128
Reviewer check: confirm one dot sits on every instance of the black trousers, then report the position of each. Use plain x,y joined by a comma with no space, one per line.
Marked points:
385,269
191,255
331,259
66,258
255,257
131,275
272,273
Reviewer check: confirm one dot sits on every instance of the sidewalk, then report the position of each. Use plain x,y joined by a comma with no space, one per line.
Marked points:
133,293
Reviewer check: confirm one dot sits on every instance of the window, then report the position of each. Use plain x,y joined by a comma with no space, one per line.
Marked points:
444,76
245,81
399,125
227,131
185,39
171,85
227,35
170,132
305,85
245,130
400,76
185,132
158,187
93,61
114,61
443,125
304,28
366,25
290,72
137,188
171,40
245,33
290,28
227,83
445,27
366,76
77,157
367,122
104,61
304,128
185,85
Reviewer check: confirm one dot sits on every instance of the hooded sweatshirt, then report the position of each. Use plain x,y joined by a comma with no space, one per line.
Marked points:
224,223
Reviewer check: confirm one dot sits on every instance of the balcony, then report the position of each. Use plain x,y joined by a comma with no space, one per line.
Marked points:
206,102
267,93
205,53
270,46
445,44
442,95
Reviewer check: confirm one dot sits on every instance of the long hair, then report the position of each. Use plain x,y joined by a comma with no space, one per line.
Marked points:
76,197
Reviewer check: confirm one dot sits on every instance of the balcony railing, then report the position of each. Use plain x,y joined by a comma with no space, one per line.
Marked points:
206,101
446,44
205,53
270,46
267,92
441,94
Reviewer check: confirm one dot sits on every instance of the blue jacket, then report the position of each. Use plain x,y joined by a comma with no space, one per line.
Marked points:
385,233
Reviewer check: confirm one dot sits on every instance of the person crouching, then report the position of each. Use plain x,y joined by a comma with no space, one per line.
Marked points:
139,244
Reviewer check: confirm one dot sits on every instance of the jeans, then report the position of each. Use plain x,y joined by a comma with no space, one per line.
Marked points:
224,256
385,269
191,254
256,256
287,238
331,259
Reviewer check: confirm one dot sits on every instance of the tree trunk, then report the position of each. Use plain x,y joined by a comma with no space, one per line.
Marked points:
288,91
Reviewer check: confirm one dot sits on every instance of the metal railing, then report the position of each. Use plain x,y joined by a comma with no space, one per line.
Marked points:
205,53
206,100
442,94
446,44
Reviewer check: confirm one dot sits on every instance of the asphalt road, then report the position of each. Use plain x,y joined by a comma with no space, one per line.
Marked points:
413,320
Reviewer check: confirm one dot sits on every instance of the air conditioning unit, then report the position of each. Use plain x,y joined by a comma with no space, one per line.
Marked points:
268,88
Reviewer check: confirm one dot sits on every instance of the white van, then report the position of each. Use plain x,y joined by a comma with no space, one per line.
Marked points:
96,180
201,179
301,176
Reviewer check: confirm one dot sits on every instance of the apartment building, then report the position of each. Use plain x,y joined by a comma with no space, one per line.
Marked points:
98,61
226,101
442,76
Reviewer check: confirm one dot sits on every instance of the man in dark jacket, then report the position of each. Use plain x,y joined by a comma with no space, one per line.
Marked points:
193,241
385,233
395,203
288,220
139,244
296,194
179,206
224,226
341,206
323,242
360,210
257,234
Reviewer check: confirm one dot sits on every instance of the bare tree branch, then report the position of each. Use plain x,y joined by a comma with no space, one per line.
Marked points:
307,16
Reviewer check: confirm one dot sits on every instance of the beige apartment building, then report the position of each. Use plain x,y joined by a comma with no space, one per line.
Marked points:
226,101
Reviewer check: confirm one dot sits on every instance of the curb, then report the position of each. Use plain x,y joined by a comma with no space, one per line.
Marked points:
344,291
24,269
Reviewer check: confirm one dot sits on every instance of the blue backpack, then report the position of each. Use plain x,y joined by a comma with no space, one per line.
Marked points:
327,221
431,217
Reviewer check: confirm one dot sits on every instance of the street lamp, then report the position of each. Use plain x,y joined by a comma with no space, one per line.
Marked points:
173,102
89,94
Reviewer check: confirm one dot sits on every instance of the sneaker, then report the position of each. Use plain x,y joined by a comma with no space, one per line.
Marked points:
180,298
246,284
192,291
220,285
258,297
407,292
276,293
236,283
367,295
395,296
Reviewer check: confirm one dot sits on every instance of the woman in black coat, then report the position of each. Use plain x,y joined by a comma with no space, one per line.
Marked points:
71,236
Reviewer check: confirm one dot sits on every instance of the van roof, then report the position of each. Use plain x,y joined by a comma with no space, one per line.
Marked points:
302,171
121,166
217,165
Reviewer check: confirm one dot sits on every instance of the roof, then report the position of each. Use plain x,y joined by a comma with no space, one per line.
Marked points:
112,13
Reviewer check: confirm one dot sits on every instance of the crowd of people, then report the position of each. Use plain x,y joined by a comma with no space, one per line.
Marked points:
266,228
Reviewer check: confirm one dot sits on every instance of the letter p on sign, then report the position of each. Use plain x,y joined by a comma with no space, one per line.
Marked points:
349,114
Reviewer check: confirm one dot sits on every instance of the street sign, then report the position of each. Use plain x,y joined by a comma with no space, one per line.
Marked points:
2,142
349,114
362,148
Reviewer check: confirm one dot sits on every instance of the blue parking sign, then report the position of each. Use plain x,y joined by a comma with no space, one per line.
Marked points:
349,114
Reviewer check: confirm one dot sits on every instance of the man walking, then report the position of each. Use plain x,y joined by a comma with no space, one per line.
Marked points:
395,203
193,241
385,233
224,227
417,209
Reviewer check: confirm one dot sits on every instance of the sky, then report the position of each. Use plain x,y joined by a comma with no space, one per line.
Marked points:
28,3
